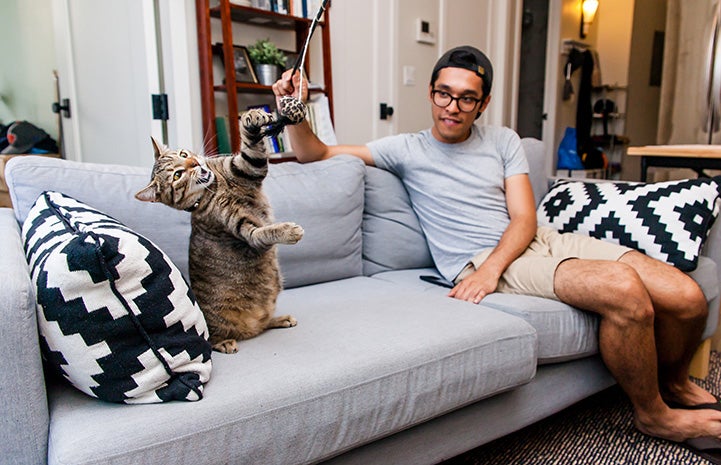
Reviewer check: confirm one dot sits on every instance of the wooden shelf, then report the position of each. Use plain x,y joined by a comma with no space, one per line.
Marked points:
264,18
251,88
228,14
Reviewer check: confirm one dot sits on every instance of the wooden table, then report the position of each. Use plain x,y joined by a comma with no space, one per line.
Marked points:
696,157
4,194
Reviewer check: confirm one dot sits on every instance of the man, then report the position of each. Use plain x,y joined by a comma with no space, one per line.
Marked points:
469,187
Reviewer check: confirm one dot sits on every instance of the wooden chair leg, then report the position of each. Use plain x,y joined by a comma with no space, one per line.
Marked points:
700,361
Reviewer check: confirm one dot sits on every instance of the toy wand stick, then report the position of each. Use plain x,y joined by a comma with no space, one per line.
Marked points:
300,61
292,110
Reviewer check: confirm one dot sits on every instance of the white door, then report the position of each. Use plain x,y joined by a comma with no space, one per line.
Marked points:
362,38
107,63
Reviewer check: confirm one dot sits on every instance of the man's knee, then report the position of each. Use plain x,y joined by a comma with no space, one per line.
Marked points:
631,294
695,306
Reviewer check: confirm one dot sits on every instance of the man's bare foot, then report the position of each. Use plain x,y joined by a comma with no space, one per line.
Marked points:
678,425
688,393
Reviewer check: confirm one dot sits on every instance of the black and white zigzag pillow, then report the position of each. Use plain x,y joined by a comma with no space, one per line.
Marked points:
668,220
116,317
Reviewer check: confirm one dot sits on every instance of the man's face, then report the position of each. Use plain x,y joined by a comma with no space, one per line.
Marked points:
450,124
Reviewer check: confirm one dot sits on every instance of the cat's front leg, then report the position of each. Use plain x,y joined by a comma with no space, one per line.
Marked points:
266,236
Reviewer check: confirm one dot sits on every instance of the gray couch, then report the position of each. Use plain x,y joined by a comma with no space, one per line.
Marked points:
382,367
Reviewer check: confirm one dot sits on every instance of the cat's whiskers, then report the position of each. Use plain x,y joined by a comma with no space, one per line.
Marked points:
207,143
207,188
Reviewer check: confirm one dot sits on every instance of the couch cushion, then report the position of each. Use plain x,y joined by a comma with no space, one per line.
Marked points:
563,332
326,199
367,359
110,189
667,220
115,316
392,235
536,155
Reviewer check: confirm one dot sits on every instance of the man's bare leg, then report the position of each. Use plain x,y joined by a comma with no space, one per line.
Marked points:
627,343
681,310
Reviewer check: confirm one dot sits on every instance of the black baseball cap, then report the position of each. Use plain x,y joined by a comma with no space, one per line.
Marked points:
23,136
469,58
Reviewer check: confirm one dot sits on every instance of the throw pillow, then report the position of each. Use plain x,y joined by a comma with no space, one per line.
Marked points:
116,318
668,220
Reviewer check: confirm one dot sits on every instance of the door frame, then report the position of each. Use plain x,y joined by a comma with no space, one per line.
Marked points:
181,82
550,92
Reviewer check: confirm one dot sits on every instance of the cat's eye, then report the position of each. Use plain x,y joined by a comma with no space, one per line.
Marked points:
183,155
177,175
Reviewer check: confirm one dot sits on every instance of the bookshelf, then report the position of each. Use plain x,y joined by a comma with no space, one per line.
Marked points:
224,14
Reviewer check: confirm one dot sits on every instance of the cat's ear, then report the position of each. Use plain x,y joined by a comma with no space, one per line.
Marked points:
149,194
158,148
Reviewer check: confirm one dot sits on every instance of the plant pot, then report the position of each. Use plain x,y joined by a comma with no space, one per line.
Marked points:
267,74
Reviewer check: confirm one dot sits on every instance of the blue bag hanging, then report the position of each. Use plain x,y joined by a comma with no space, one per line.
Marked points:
568,158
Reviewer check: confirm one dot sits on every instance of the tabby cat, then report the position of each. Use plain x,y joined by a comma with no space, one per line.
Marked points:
233,263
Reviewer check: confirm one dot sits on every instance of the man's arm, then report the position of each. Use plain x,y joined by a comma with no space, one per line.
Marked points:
514,241
306,146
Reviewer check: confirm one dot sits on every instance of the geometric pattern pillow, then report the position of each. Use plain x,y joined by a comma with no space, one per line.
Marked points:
668,221
115,316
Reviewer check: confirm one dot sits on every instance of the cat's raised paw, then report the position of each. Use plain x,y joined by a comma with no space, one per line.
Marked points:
254,119
293,233
228,346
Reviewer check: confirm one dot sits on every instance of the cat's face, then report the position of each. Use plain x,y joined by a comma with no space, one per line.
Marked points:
180,178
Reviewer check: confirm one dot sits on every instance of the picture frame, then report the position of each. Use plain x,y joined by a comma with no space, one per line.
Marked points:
244,71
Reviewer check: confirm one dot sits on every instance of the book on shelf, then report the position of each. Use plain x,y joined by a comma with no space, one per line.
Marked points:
304,8
222,129
280,6
261,4
319,119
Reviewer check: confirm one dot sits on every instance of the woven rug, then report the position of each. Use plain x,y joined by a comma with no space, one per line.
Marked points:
597,431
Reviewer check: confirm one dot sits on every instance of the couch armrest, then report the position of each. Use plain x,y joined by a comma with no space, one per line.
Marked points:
24,422
712,247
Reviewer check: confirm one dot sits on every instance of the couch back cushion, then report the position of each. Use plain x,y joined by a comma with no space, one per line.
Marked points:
392,235
325,198
536,155
108,188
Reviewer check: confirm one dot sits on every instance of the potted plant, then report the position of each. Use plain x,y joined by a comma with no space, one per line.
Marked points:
268,61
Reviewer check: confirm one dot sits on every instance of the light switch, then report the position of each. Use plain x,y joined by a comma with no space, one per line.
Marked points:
409,75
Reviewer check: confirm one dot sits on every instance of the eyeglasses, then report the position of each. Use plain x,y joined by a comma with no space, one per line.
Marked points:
465,104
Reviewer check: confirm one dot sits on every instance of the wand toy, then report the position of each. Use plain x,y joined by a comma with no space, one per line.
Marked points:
292,109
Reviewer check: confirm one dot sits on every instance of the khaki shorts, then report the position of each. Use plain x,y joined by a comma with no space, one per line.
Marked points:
532,273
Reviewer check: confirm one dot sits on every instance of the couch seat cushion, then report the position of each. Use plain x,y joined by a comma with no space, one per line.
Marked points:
564,332
367,359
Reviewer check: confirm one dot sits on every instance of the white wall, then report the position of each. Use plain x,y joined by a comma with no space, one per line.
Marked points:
354,59
412,105
371,41
27,87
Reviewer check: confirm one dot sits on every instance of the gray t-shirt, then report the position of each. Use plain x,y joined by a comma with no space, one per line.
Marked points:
457,190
